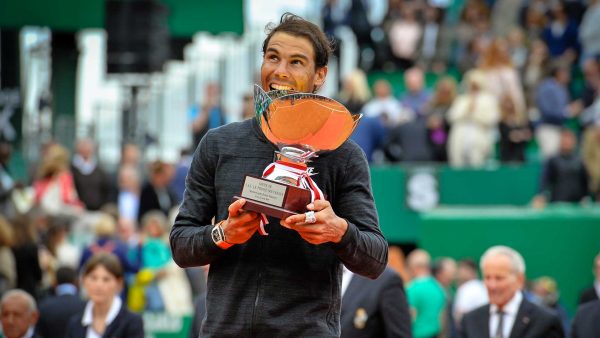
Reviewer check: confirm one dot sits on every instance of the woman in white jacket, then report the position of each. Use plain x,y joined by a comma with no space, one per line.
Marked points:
473,118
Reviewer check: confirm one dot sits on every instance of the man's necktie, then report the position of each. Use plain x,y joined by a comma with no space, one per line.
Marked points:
500,325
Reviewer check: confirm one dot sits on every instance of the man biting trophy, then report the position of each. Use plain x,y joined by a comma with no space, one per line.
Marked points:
287,283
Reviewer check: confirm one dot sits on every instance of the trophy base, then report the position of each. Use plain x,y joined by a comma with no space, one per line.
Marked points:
266,209
273,198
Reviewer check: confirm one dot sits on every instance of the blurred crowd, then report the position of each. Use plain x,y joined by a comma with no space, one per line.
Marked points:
440,292
75,209
493,81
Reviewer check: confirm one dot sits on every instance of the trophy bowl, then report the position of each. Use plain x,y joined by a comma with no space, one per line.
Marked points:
301,125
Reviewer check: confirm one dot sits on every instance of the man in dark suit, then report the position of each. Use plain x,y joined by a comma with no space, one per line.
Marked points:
375,308
593,292
56,311
18,314
156,194
509,314
586,323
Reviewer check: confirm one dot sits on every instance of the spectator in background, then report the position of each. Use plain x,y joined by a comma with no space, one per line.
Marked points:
8,272
104,315
588,30
18,315
471,292
501,77
56,250
374,308
408,142
106,241
561,34
7,183
182,167
591,74
534,18
535,69
564,178
515,133
508,314
247,108
355,91
505,16
156,255
517,48
404,35
370,132
128,197
436,111
444,271
590,154
473,117
25,251
385,106
426,297
156,194
92,183
552,100
416,96
593,292
56,310
470,35
362,28
55,191
587,320
208,115
130,156
435,41
545,293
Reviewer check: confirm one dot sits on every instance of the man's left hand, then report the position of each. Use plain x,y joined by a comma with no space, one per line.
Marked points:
328,227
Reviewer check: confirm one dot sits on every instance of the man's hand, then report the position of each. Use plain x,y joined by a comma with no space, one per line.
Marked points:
240,225
328,228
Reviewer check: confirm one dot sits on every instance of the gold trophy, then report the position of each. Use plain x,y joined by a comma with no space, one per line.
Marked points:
301,125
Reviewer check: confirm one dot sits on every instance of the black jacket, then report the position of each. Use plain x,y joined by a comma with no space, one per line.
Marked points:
55,314
588,295
149,200
376,308
125,325
586,323
532,322
277,285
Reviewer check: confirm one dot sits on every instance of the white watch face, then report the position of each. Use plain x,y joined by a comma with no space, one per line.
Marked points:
217,234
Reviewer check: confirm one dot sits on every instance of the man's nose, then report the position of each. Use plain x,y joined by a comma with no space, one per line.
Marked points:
282,69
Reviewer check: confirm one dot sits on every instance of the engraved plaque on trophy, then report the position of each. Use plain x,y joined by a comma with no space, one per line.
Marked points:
301,125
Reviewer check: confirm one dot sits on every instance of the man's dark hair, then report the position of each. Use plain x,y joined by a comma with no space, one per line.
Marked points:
66,275
468,262
296,26
555,67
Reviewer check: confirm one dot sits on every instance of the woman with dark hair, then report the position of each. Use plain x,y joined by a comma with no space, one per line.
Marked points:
26,252
105,315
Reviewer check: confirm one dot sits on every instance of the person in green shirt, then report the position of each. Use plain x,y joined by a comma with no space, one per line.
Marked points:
426,297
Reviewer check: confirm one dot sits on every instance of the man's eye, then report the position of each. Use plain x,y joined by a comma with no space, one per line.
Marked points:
297,62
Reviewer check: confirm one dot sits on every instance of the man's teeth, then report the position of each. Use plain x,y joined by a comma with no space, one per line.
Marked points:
280,87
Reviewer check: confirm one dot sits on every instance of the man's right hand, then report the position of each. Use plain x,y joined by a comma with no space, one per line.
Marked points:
241,224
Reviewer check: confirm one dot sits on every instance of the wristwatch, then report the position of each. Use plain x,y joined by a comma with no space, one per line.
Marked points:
218,236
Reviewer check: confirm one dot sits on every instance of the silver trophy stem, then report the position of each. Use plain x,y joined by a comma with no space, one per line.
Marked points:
297,155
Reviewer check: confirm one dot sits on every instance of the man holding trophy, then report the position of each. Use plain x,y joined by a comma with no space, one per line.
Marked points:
285,227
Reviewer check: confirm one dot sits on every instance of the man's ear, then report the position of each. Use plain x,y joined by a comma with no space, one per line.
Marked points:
320,76
35,315
521,280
